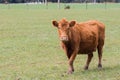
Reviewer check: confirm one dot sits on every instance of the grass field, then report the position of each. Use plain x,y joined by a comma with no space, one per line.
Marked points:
29,45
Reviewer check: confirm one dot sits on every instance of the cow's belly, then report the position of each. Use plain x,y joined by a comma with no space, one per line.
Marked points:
87,47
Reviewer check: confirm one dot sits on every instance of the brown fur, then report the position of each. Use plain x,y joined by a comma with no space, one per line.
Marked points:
81,38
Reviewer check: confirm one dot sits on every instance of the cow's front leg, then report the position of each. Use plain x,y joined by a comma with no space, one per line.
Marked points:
71,60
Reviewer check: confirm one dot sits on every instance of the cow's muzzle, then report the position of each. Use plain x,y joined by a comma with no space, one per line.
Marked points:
64,38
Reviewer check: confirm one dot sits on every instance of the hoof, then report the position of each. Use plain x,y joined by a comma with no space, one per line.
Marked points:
86,68
70,71
99,66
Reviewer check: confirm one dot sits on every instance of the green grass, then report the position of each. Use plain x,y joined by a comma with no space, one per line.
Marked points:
29,45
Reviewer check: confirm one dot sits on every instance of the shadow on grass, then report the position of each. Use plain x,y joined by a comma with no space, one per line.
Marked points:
104,69
96,70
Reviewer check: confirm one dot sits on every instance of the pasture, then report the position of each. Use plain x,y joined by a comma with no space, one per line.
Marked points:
29,44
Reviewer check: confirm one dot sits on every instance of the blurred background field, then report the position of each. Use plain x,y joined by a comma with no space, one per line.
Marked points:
29,44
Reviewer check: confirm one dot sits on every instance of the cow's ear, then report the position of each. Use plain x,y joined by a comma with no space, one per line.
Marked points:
55,23
72,23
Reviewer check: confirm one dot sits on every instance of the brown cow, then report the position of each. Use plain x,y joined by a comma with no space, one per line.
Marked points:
81,38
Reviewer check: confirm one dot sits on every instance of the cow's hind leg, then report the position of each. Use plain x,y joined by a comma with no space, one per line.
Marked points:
88,61
100,56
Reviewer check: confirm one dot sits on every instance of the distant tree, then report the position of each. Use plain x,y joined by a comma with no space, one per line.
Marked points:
53,0
61,1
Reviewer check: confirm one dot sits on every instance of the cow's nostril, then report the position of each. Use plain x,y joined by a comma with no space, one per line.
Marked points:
64,38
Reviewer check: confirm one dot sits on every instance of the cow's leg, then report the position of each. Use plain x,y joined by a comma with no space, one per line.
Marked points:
100,48
71,60
67,52
88,61
100,56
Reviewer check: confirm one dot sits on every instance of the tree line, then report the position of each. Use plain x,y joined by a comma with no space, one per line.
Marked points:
54,1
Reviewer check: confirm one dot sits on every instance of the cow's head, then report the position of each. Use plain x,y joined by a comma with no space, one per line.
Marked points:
63,27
